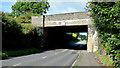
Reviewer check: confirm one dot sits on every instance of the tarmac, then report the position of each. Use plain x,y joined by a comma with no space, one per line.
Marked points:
87,59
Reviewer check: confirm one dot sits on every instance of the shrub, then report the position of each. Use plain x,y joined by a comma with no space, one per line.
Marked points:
106,17
11,32
19,35
12,53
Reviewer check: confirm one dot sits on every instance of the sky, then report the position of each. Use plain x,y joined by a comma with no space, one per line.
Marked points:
56,6
83,33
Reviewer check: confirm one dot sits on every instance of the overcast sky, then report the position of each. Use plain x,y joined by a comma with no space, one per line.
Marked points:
56,6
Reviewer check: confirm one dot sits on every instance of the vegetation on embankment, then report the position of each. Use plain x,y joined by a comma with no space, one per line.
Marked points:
14,53
17,39
15,36
106,17
104,59
72,37
76,37
19,36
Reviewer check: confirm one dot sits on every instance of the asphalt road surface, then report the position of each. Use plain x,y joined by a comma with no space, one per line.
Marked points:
58,57
78,45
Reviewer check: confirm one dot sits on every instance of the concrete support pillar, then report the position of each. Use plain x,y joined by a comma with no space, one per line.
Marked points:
92,44
95,41
89,43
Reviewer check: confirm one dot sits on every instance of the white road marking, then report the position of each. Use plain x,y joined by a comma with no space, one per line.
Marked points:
71,50
17,64
56,53
44,57
64,50
76,60
27,56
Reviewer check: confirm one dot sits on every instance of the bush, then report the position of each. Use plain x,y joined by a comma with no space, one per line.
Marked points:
24,18
4,55
104,59
106,17
27,27
19,35
11,32
12,53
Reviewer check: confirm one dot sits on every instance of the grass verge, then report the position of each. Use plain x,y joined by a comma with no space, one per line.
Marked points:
14,53
104,59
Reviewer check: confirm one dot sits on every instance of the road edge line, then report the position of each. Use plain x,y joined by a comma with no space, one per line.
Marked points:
75,60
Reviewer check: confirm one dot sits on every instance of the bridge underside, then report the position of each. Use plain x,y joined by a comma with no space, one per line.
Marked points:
55,37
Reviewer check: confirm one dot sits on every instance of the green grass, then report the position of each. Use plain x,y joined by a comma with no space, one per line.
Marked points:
97,52
12,53
105,59
79,60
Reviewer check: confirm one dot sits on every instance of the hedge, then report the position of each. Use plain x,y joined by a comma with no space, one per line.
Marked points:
106,16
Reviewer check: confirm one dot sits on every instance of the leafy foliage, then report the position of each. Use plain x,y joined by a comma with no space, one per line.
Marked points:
18,36
17,30
24,18
36,8
27,27
104,59
12,53
11,31
106,17
83,37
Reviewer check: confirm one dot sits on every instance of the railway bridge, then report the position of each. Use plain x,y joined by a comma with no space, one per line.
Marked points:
54,26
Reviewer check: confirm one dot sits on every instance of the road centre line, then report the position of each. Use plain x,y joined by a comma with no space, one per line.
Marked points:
56,53
44,57
17,64
64,50
72,50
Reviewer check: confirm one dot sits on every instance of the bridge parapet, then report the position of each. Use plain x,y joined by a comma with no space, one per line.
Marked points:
67,16
67,22
66,19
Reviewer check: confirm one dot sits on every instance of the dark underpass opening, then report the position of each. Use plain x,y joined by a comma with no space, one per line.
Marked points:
66,37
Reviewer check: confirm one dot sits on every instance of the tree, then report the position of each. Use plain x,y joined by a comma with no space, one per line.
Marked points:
83,37
77,35
24,18
36,8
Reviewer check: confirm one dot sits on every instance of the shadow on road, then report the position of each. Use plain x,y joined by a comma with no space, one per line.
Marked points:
72,46
80,45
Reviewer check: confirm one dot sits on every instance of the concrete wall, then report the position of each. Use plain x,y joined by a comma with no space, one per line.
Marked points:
67,22
38,20
70,19
67,16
